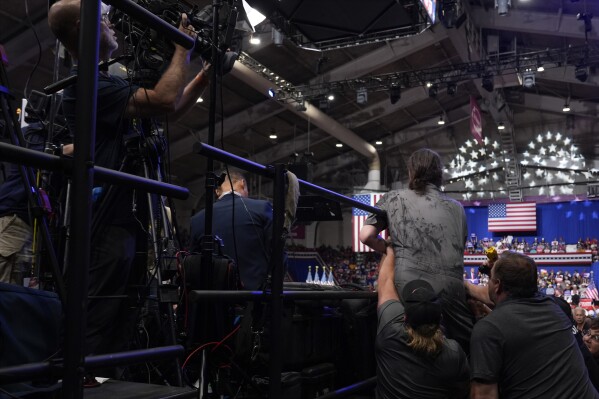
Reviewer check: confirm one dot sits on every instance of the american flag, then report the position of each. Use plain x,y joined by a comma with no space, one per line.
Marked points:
521,216
591,291
359,216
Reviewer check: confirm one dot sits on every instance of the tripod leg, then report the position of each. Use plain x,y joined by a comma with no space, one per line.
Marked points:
167,306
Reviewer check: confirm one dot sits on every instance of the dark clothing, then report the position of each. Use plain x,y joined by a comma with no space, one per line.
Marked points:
245,227
112,132
428,233
526,346
403,373
13,198
116,232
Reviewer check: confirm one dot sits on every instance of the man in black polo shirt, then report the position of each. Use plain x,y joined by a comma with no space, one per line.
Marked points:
414,359
525,347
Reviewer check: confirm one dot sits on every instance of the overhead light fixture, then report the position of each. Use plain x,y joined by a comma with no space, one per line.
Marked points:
503,6
378,142
566,107
362,95
394,93
323,104
452,88
527,79
432,91
540,67
338,145
301,106
581,73
254,40
441,121
488,82
200,100
331,97
271,92
272,137
501,126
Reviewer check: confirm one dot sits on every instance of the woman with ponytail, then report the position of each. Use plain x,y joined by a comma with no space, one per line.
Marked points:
428,232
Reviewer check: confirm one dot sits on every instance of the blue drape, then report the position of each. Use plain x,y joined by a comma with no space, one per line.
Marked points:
570,220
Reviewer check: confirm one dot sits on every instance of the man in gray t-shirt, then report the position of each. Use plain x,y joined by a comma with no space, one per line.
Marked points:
414,359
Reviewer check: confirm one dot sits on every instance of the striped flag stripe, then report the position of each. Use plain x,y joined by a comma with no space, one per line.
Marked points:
358,219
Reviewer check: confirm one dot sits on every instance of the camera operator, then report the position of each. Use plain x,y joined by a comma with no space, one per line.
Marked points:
119,219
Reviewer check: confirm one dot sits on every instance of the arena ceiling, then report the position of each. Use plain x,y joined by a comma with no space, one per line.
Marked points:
473,42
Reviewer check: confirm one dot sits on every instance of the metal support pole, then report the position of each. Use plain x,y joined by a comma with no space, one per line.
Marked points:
276,259
231,159
357,387
42,160
83,174
232,296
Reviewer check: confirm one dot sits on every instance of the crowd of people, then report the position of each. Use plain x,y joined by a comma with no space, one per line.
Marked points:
531,246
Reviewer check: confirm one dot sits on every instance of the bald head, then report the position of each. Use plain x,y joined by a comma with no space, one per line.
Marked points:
63,19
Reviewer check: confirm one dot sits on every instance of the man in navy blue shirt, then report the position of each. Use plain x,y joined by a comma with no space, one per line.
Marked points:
119,220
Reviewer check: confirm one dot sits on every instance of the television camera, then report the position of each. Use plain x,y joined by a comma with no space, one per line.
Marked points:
151,52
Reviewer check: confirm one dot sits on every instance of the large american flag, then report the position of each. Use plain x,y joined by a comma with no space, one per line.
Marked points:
521,216
358,218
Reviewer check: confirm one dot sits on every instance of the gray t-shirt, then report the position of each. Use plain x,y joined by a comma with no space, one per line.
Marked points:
403,373
428,231
526,346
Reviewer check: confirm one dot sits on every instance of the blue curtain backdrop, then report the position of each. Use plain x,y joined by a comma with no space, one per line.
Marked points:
570,220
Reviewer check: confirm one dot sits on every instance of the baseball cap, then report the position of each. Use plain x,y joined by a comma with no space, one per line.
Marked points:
421,304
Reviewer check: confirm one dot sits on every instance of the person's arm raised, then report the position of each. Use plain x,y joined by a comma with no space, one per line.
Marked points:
386,286
164,98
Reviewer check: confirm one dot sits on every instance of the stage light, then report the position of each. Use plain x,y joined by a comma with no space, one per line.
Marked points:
527,79
331,97
432,91
452,88
300,106
502,6
272,93
362,95
394,93
581,73
200,100
586,17
501,126
488,82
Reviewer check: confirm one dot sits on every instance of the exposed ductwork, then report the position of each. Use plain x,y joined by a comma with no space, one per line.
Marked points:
320,120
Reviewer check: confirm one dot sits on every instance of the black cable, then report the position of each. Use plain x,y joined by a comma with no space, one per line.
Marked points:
37,62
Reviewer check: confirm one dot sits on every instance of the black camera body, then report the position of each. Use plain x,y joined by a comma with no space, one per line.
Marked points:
152,52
